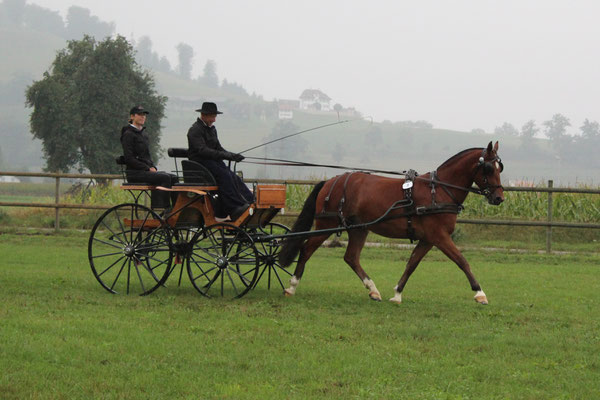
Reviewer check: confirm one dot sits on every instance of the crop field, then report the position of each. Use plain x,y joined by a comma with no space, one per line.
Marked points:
63,336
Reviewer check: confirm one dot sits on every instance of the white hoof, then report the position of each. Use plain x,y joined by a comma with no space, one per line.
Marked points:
375,296
397,298
481,298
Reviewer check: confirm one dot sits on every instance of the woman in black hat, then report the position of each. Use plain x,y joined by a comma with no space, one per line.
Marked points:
136,150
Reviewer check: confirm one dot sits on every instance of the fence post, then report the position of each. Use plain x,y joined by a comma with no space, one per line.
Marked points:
549,229
56,201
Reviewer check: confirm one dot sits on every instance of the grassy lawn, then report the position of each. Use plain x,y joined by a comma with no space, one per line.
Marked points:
63,336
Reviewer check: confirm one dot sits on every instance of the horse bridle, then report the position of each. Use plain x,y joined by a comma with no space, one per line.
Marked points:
485,190
488,169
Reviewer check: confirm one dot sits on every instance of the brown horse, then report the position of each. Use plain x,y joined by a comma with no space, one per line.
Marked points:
422,208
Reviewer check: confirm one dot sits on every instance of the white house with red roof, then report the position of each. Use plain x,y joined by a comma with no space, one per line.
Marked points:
314,99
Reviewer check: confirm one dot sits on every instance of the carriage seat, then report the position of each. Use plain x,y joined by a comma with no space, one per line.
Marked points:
194,173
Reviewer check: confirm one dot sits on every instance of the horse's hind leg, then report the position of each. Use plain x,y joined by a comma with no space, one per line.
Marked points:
307,250
415,258
356,243
448,247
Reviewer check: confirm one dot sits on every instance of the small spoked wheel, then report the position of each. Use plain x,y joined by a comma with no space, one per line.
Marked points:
129,250
268,253
223,262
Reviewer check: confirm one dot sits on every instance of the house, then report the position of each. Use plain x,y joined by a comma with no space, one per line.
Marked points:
314,99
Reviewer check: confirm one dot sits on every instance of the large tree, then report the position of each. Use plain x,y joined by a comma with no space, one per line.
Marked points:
81,104
185,54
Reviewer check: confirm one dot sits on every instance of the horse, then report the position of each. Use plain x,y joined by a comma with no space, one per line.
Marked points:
420,207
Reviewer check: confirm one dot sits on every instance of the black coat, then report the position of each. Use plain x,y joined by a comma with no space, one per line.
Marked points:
136,148
203,143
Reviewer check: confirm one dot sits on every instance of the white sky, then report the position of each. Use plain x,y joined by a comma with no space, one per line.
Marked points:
459,64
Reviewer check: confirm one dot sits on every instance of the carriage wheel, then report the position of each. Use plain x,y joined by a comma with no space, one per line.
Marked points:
223,262
182,244
269,253
129,250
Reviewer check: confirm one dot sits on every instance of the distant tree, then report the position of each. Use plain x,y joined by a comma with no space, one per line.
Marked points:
82,102
556,128
44,20
506,129
529,130
337,107
209,76
590,130
164,65
80,22
143,51
233,88
185,54
478,131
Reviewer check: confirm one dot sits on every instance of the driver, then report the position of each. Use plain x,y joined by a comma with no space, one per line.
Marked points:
205,148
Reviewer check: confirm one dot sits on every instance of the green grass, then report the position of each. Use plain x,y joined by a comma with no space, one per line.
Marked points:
63,336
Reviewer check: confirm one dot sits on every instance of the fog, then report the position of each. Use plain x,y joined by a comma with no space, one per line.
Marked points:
457,64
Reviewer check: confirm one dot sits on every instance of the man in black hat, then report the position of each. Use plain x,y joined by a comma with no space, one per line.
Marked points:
205,148
136,150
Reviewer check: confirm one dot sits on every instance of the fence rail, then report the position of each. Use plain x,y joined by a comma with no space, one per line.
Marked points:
549,223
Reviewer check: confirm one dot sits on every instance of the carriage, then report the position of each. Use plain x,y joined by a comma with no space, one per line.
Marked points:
134,248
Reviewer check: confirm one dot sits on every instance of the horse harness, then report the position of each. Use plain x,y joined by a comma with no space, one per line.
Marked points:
407,204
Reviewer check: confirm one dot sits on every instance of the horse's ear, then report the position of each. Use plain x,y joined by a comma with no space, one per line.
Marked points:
489,148
496,147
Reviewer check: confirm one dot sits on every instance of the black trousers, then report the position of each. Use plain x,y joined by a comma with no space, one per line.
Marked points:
158,178
232,190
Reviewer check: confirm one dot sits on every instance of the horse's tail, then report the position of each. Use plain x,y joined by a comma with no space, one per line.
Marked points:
291,246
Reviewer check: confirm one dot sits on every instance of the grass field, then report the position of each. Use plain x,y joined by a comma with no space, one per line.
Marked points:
63,337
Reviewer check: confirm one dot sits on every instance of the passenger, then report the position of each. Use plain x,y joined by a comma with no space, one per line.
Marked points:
136,150
205,148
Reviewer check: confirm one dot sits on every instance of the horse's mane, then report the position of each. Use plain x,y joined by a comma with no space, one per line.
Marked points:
459,155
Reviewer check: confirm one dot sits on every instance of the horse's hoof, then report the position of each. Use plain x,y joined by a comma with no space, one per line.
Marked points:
375,296
287,294
481,300
397,299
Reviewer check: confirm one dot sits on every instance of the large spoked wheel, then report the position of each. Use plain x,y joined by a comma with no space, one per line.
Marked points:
182,244
129,250
223,262
268,252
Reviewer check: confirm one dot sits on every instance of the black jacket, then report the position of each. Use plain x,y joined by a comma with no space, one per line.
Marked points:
136,148
203,143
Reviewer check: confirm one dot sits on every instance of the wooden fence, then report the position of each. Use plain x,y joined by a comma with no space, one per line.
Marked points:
549,223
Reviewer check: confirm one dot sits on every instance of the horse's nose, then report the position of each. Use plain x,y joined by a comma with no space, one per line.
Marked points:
498,200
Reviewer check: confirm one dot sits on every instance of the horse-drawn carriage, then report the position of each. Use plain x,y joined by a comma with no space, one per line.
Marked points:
134,248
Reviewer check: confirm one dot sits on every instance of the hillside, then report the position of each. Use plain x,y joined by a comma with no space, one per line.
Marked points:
383,145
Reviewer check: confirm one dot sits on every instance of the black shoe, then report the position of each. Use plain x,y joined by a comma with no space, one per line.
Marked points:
235,214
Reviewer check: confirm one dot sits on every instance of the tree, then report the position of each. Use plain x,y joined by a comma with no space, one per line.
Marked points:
529,130
506,129
82,102
209,77
80,22
590,130
44,20
185,55
291,148
556,128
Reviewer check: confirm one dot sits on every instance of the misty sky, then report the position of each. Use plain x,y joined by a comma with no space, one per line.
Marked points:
458,64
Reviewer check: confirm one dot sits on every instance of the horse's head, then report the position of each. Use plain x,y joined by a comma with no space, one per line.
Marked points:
487,175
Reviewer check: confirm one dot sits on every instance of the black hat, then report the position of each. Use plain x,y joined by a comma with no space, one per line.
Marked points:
138,110
209,108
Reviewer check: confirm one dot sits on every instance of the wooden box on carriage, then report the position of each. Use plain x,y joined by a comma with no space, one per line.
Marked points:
270,196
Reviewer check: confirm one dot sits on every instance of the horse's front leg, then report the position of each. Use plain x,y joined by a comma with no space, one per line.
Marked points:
415,258
447,246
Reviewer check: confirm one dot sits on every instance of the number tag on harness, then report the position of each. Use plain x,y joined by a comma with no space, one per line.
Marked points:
407,185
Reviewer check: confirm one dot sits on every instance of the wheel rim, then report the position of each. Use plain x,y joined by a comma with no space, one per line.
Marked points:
130,257
223,262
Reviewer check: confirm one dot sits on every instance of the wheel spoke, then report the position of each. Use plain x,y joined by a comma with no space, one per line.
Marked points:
139,276
119,274
108,243
232,282
111,265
